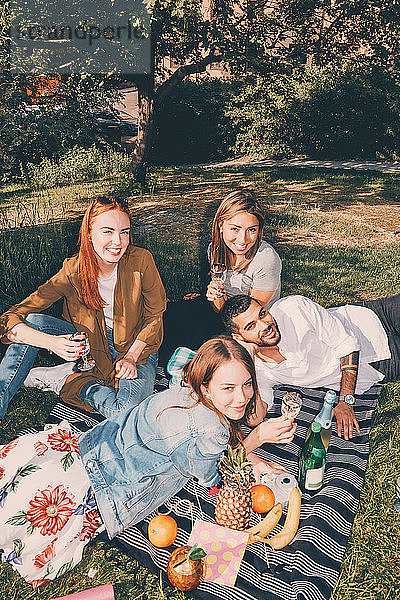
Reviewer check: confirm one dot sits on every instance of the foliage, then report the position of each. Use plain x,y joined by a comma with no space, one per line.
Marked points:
30,132
259,38
286,35
78,164
192,125
270,36
320,112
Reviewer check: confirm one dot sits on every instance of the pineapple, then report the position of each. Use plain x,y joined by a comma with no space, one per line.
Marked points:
234,506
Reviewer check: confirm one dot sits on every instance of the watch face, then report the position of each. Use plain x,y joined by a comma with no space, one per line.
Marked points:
349,399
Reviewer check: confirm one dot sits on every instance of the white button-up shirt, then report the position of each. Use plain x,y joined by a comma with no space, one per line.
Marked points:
313,339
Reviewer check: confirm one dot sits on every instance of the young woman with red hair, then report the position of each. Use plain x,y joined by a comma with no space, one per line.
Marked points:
113,292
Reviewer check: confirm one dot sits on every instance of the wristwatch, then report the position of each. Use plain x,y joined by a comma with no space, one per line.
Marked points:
348,399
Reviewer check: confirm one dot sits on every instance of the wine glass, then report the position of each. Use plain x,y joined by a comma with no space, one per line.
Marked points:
291,404
218,274
84,363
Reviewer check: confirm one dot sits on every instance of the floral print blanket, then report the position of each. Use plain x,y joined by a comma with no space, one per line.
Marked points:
47,509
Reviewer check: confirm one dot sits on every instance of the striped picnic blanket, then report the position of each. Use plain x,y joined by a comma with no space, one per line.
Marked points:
308,568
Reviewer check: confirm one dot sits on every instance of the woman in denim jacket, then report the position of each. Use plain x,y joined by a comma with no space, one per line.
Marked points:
59,491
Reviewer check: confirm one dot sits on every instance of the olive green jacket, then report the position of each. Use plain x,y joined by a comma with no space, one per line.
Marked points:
139,302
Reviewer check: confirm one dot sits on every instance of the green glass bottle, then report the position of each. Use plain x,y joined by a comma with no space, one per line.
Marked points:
325,418
312,461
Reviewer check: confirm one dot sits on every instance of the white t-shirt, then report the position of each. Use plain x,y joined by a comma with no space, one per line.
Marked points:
106,290
262,274
313,339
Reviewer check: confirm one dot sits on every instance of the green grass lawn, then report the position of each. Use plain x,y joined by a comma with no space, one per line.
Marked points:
338,236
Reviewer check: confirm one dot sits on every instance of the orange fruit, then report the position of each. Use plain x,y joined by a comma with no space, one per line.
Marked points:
162,531
263,498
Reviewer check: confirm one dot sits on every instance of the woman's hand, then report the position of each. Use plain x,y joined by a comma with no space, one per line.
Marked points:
215,291
126,368
276,431
264,467
63,346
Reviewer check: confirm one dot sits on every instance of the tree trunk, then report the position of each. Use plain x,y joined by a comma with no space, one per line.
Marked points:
144,142
149,102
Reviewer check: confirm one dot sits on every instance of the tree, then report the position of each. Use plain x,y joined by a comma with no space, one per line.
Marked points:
190,38
42,116
260,37
256,38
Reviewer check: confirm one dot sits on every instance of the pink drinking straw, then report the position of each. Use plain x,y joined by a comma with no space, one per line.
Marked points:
102,592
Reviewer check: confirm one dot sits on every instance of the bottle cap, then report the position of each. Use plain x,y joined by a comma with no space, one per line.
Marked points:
330,396
315,426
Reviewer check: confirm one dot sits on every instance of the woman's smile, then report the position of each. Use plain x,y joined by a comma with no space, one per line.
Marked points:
114,251
240,233
110,238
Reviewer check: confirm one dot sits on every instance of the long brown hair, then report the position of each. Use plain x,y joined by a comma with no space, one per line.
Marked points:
87,260
240,200
199,372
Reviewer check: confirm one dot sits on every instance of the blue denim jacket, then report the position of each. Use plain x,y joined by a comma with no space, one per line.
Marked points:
147,454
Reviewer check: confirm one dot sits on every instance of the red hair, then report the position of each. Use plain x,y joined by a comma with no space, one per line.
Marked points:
87,259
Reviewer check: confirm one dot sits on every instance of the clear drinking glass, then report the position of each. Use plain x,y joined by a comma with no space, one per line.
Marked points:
218,274
84,363
291,404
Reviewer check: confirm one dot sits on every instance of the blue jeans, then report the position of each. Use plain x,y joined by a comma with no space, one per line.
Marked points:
19,358
130,393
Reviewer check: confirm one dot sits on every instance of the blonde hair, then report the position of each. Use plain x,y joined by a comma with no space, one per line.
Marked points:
200,370
238,201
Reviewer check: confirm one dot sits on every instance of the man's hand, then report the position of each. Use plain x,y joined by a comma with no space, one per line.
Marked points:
346,420
126,368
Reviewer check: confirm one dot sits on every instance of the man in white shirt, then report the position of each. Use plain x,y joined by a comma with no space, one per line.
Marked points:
300,343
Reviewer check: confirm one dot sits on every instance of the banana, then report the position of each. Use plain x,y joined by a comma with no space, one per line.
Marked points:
285,536
264,527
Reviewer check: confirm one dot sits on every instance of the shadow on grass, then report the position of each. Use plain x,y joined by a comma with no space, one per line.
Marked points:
327,274
341,188
386,417
30,255
28,409
5,196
